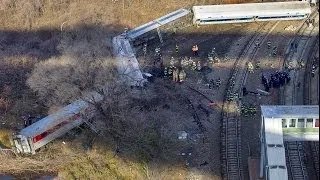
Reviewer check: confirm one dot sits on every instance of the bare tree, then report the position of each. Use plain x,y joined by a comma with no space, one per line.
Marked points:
85,65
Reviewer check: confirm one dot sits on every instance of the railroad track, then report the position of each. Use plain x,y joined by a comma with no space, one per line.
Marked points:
313,146
315,154
295,158
295,155
307,75
293,60
231,126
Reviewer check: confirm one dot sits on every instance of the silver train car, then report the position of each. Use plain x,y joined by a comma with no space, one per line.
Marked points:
31,138
250,12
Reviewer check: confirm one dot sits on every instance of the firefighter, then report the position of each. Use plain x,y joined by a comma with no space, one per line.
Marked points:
195,50
274,51
169,71
252,110
267,87
244,91
313,71
263,79
269,44
218,82
183,62
212,83
182,76
172,62
244,111
145,48
177,48
30,120
250,67
175,74
198,66
210,58
25,121
190,62
257,44
310,24
257,64
194,66
165,72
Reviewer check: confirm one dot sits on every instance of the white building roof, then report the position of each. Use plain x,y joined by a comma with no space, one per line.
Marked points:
251,9
303,111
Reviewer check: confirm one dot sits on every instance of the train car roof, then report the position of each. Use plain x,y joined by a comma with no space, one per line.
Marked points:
127,63
303,111
251,9
275,150
59,116
138,31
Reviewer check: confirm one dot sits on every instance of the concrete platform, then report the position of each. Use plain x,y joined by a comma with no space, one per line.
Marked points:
254,168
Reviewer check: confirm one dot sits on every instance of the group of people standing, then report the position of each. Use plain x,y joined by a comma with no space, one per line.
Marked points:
179,74
276,80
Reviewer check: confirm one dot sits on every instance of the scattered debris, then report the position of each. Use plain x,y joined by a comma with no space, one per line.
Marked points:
290,28
182,135
204,163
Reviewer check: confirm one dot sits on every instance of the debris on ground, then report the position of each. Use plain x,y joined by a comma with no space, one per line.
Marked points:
182,135
290,28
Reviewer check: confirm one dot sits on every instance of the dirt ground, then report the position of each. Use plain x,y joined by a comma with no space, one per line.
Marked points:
228,41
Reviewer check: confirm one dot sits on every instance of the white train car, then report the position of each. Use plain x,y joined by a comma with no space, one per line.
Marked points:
250,12
136,32
127,63
31,138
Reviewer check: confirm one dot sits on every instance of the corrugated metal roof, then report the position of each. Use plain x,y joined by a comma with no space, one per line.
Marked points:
251,9
303,111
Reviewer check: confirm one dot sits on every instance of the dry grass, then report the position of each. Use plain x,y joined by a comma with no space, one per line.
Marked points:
97,12
98,163
4,138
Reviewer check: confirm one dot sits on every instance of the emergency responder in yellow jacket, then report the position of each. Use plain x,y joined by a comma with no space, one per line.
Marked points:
182,76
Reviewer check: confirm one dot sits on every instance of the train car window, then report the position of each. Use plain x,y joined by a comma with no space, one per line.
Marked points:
300,123
284,123
309,123
292,123
316,123
224,20
281,17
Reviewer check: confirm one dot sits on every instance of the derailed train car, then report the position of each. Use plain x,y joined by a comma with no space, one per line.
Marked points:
31,138
250,12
